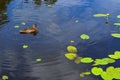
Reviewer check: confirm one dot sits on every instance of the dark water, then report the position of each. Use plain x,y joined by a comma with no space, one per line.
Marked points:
56,26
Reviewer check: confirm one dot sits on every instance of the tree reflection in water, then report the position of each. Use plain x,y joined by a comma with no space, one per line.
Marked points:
3,11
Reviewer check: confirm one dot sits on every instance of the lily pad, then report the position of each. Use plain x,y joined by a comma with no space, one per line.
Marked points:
4,77
106,76
38,60
87,60
78,60
72,41
116,35
109,60
84,36
25,46
84,73
96,71
116,55
101,15
16,26
71,56
118,16
72,49
100,62
117,24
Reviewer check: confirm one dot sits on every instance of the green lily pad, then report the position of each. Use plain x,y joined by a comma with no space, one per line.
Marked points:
116,55
109,60
25,46
38,60
71,56
16,26
4,77
117,24
106,76
78,60
72,49
84,73
96,71
84,36
101,62
116,35
118,16
87,60
101,15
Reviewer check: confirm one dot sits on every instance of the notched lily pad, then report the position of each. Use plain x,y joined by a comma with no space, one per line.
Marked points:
96,71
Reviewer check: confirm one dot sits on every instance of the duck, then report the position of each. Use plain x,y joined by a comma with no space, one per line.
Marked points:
30,30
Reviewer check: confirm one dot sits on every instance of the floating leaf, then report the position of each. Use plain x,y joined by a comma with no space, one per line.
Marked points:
96,71
100,62
72,49
72,41
71,56
84,73
116,35
25,46
116,55
118,16
4,77
87,60
117,24
106,76
38,60
23,23
101,15
109,60
16,26
84,36
78,60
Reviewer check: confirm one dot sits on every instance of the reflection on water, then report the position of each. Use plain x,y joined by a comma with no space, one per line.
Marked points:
56,27
3,11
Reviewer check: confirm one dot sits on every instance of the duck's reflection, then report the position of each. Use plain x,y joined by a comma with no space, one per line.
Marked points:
50,2
37,2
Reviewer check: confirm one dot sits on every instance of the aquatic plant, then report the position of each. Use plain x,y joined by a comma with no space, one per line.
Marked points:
4,77
96,71
72,41
118,16
25,46
84,36
71,56
71,49
38,60
101,15
78,60
116,55
116,35
87,60
16,26
83,74
117,24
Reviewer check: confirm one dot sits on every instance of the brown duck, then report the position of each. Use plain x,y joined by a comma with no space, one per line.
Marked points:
30,30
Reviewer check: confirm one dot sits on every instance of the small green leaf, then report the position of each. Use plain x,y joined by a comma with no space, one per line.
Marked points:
71,56
96,71
16,26
38,60
84,36
101,15
4,77
87,60
116,35
72,49
117,24
118,16
25,46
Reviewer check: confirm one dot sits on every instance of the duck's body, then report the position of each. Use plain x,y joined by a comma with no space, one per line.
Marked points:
30,30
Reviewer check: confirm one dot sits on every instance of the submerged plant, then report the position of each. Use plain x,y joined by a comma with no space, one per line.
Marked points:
78,60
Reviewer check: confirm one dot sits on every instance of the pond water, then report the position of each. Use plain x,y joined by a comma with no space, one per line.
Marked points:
57,25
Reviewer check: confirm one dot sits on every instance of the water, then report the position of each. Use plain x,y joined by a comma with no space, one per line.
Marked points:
56,27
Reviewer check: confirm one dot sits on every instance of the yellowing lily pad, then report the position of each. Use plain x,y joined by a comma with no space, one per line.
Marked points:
72,49
101,15
25,46
4,77
116,35
117,24
38,60
78,60
71,56
84,36
87,60
96,71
